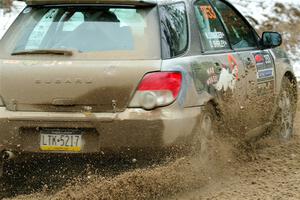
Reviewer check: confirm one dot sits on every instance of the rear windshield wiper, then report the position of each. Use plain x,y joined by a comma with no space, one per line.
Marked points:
63,52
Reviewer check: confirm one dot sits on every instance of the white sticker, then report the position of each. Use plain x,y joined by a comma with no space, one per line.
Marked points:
214,35
219,43
267,59
226,81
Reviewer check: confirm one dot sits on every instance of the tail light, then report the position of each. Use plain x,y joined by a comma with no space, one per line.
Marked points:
157,89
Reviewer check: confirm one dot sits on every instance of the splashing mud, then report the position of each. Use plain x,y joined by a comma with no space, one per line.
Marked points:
267,168
123,180
235,170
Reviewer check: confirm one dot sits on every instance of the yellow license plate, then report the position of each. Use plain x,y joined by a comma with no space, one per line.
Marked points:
60,142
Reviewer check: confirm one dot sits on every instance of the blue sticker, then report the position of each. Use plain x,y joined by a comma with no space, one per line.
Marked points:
265,73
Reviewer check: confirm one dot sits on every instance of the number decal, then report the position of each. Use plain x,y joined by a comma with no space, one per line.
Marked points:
208,12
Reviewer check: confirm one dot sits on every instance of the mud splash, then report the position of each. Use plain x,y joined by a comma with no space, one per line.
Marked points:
137,181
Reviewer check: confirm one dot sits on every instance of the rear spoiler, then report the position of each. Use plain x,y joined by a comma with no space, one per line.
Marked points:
113,2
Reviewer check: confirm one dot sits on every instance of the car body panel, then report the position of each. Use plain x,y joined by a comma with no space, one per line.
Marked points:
283,64
260,79
132,128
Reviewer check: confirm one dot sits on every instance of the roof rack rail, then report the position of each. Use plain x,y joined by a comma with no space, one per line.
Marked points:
122,2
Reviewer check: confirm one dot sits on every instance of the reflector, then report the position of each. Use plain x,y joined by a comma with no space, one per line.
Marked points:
157,89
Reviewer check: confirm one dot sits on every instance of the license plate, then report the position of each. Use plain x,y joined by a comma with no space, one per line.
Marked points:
60,140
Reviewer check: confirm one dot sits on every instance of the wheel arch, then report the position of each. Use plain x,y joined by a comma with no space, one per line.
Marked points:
288,83
214,104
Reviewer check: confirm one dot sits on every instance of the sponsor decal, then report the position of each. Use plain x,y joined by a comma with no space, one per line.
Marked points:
216,39
229,75
259,58
217,43
214,35
263,60
267,59
265,73
206,75
213,78
264,66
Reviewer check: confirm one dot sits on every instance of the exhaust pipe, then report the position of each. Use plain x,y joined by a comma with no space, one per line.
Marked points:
8,155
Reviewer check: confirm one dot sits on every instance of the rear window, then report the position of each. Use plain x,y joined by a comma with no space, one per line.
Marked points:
128,31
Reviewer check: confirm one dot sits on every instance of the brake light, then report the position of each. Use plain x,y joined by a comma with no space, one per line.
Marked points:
157,89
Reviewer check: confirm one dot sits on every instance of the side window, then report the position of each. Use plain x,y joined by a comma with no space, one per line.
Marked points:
174,29
240,34
212,32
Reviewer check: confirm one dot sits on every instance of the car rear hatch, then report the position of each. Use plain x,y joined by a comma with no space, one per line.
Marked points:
78,58
72,86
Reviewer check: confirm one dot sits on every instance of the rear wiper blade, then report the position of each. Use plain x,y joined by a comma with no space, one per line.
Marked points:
63,52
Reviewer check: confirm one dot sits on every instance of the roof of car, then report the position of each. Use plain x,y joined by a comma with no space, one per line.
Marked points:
121,2
56,2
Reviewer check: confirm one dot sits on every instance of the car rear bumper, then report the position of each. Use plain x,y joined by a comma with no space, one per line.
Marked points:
131,129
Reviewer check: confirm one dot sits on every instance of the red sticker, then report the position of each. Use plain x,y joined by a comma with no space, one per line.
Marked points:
233,66
259,58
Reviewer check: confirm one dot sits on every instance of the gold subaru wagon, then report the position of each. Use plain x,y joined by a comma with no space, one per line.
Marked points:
88,77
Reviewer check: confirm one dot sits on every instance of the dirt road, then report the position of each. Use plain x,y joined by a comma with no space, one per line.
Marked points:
268,169
272,172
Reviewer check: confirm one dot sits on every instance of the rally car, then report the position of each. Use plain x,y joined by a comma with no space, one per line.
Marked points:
86,77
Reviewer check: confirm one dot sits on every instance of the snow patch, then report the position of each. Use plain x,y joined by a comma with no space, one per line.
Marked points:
7,19
262,10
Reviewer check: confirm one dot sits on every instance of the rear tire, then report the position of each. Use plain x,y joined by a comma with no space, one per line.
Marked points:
287,103
204,134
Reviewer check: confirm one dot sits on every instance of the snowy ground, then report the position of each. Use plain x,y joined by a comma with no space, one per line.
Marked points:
262,10
259,10
279,12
